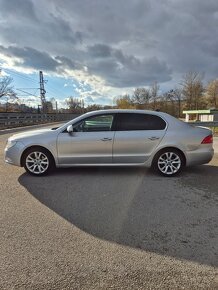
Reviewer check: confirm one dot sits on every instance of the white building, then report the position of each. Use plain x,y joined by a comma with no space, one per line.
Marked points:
202,115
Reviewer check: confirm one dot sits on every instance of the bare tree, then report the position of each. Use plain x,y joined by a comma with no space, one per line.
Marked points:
6,88
141,96
154,94
193,89
75,105
124,102
212,93
93,107
175,97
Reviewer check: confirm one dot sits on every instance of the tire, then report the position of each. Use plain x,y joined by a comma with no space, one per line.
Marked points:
168,162
38,161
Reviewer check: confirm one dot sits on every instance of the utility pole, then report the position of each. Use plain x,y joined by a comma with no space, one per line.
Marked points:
42,92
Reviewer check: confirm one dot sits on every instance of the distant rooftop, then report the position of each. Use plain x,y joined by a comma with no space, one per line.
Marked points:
209,111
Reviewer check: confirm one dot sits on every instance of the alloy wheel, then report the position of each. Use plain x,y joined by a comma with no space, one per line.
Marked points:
169,163
37,162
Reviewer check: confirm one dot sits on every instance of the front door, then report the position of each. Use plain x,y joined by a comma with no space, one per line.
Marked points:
90,142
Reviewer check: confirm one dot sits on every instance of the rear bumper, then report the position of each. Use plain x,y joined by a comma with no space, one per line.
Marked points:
200,156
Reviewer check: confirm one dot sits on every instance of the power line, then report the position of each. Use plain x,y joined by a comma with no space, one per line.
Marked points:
32,80
29,79
29,88
20,75
55,92
27,93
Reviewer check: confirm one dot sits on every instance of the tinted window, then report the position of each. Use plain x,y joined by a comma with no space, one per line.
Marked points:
131,121
95,124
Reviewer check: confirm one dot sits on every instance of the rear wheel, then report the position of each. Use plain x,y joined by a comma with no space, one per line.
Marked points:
169,162
38,161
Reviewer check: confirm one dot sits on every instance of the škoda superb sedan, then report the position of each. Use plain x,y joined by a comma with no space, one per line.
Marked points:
113,138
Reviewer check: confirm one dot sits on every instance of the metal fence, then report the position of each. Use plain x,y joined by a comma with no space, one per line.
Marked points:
12,120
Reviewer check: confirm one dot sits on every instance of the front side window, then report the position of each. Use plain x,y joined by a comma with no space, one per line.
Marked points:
95,124
134,121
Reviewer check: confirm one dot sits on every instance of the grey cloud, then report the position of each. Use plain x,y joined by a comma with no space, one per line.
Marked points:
127,43
69,63
99,50
22,8
41,28
210,47
108,21
58,29
31,57
117,69
122,70
35,59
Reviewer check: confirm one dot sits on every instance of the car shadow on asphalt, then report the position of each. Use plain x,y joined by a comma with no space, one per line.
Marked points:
174,217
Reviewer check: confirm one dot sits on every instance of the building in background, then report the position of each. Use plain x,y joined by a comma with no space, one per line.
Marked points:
210,115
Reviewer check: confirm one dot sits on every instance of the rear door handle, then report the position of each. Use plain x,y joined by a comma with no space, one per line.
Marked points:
153,138
106,139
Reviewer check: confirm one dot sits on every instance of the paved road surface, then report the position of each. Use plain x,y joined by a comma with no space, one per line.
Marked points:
110,228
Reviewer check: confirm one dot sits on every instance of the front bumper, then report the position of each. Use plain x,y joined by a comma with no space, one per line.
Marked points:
13,154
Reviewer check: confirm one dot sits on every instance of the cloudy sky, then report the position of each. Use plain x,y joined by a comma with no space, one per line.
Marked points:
98,49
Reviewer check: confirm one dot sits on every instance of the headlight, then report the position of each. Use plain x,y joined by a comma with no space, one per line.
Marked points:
10,143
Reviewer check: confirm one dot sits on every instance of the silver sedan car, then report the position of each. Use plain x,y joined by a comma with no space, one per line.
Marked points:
113,138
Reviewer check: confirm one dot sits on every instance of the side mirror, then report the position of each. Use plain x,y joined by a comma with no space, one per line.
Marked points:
70,129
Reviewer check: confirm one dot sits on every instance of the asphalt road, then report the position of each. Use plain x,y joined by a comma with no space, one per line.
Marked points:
108,228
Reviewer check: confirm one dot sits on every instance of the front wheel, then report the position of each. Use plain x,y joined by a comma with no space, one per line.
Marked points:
169,162
38,161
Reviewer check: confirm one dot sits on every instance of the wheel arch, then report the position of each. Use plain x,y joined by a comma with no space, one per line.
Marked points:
169,148
36,147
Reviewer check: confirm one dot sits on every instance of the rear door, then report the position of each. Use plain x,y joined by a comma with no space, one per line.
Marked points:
136,137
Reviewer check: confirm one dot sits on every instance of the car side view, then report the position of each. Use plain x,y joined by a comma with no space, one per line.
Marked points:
113,138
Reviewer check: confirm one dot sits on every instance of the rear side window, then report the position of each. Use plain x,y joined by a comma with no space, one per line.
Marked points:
134,121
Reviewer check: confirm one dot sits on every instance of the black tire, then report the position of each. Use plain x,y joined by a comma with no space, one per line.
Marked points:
38,161
168,162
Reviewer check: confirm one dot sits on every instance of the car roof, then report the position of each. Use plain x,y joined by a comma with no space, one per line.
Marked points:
126,111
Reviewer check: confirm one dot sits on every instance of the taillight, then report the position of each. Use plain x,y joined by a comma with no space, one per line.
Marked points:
207,140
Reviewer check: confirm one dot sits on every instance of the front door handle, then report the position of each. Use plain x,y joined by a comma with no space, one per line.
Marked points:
106,139
154,138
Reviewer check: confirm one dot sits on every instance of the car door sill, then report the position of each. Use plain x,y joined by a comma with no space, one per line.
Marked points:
100,164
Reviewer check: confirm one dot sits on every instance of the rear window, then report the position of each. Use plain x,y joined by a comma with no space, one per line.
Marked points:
134,121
